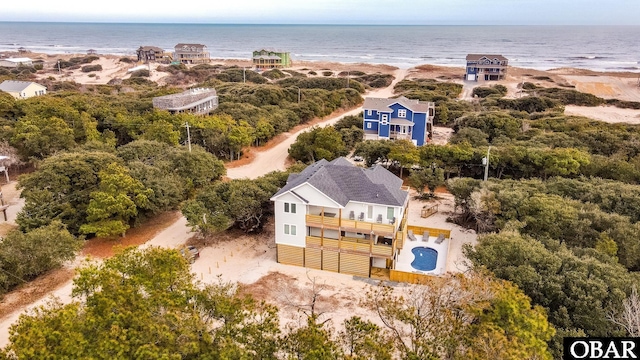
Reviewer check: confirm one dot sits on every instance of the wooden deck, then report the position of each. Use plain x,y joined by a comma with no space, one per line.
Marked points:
350,245
366,227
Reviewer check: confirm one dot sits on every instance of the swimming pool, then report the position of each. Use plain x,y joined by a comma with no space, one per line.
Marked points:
426,258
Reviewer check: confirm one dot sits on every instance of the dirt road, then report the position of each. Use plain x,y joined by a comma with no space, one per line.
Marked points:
275,157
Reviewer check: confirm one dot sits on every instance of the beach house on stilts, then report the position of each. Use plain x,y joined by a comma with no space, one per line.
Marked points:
339,217
398,119
486,67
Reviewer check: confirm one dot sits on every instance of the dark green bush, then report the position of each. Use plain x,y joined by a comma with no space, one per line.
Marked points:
274,74
90,68
140,73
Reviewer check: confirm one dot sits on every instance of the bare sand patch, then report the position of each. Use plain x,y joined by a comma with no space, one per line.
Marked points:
608,114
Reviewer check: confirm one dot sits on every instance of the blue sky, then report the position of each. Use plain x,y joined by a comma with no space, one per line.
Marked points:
387,12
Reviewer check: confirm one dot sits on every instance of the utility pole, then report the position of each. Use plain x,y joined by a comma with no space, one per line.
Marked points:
298,95
485,162
348,74
58,67
244,75
186,124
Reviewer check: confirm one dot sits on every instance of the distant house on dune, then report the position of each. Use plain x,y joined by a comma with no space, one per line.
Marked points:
191,54
16,62
152,53
22,89
199,101
271,59
486,67
398,119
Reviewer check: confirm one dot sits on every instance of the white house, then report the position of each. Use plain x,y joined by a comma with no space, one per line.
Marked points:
22,89
340,217
15,62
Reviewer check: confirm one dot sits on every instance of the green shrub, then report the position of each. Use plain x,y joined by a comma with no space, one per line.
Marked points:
312,72
351,73
90,68
483,91
126,60
274,74
376,80
140,73
295,73
327,73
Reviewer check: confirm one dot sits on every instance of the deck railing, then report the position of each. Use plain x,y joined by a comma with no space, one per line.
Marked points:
348,244
348,224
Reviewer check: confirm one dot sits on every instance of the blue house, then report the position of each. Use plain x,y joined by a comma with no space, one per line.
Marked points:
398,119
486,67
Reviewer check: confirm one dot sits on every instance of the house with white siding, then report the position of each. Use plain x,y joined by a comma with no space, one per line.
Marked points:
339,217
16,62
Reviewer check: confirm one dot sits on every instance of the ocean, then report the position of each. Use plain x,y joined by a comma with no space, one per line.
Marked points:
600,48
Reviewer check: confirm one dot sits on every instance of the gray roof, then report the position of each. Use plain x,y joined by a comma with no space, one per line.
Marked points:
149,48
198,47
183,100
16,86
383,104
488,56
342,181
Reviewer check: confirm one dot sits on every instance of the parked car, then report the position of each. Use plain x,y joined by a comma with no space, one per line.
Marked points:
190,252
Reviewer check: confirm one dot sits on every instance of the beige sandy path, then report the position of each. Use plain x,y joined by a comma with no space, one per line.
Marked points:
275,157
11,197
608,114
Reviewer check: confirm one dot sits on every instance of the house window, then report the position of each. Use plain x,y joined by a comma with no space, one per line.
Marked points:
389,213
368,125
290,208
369,112
289,229
402,113
385,118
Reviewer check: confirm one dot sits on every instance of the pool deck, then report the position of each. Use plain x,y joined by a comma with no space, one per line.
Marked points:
406,257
